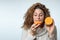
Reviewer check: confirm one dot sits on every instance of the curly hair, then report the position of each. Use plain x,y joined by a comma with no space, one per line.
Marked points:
29,14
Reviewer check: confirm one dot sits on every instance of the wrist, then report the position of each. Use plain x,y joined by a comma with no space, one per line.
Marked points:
50,35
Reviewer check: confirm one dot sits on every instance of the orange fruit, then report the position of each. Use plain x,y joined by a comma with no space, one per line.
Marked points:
48,21
37,22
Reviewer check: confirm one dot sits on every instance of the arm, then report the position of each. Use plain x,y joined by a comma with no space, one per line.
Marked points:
53,36
26,35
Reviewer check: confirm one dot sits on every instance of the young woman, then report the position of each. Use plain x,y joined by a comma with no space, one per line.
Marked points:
31,31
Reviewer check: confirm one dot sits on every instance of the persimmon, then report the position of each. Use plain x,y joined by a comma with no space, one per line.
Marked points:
48,21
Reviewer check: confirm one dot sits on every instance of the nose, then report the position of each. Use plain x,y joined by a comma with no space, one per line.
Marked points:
38,17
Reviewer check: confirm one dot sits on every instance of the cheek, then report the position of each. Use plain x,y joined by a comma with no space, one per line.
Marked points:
42,18
34,18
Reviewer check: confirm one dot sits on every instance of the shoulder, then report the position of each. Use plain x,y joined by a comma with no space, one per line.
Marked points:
24,34
24,31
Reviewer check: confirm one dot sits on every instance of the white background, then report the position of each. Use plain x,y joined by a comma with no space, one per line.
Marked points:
12,12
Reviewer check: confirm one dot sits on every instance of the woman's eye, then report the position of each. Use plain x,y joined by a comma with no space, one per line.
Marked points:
35,15
41,15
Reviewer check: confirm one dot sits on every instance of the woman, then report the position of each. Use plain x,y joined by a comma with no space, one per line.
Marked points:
31,31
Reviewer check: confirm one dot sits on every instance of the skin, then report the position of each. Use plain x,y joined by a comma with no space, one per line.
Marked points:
39,16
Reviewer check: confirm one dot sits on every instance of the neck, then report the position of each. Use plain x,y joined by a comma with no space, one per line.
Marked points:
42,25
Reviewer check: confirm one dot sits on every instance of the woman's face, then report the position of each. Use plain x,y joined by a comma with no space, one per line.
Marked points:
38,15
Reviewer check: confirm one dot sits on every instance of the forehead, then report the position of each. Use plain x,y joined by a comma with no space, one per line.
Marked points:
38,11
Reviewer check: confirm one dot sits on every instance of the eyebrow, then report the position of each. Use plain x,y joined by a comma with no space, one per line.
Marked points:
42,13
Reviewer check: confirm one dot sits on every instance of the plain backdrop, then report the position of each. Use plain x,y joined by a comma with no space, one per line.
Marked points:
13,11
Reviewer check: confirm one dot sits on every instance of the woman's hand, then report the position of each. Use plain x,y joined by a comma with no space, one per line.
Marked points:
33,28
50,28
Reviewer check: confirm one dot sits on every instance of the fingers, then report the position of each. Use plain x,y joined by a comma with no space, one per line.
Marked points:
50,29
34,26
37,25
